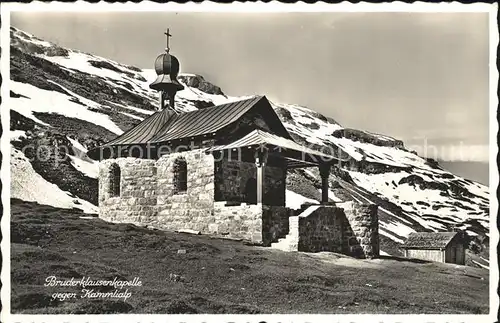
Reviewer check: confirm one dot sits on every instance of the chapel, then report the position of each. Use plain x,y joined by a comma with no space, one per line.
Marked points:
222,171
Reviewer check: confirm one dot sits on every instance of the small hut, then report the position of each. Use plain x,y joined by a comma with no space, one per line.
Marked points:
445,247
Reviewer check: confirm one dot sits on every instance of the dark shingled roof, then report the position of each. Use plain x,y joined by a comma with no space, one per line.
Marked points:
166,125
144,131
429,240
204,121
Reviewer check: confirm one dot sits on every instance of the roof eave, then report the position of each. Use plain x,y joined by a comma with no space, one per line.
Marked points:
423,248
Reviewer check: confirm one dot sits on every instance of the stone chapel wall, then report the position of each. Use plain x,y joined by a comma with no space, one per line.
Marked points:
137,200
262,224
275,224
361,236
194,208
274,186
147,196
321,230
147,192
234,180
238,221
349,228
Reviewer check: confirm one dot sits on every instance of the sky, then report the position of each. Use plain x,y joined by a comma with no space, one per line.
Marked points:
419,77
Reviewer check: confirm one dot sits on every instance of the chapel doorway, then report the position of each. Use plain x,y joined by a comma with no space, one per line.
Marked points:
453,255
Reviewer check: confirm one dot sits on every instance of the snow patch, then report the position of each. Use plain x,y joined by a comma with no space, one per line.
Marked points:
56,102
396,228
88,168
28,185
309,211
389,235
480,265
333,197
17,134
294,200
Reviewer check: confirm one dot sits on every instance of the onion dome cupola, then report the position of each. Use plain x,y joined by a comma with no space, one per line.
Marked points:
167,68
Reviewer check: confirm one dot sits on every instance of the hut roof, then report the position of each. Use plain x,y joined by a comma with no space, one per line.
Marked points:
429,240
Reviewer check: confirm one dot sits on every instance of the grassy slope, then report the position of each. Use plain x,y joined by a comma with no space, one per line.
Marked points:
219,276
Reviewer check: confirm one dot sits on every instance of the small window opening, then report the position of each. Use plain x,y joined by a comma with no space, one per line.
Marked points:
180,175
115,180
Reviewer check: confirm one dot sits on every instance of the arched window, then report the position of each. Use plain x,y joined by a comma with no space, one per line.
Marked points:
180,175
115,179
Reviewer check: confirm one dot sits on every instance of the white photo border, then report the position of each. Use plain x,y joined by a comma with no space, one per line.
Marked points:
81,6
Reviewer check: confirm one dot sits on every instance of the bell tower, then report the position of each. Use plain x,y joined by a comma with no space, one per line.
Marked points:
167,68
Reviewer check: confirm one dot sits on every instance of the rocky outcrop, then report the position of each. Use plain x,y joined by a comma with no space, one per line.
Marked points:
415,180
284,114
298,182
199,104
198,82
31,45
367,137
375,168
111,67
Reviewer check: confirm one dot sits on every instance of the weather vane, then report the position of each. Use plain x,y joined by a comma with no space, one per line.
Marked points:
168,34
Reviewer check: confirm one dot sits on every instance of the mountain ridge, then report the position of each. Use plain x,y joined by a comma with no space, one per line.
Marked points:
66,98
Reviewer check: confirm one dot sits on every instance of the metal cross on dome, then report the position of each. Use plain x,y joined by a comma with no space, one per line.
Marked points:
168,34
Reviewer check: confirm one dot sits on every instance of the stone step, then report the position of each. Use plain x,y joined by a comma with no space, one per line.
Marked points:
291,241
284,242
288,238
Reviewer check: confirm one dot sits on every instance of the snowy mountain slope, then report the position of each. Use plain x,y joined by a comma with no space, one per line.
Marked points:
28,185
63,97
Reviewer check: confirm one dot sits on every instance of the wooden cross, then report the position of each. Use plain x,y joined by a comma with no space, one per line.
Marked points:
167,33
